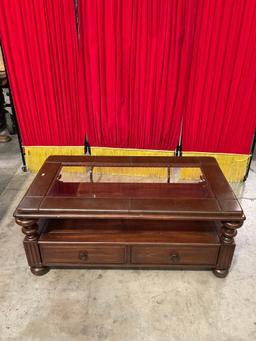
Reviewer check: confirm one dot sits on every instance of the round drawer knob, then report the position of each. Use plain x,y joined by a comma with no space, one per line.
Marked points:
83,255
174,257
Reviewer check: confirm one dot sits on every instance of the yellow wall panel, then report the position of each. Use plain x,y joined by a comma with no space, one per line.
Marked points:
233,165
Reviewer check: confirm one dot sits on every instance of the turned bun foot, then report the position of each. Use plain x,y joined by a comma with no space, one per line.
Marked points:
39,271
220,272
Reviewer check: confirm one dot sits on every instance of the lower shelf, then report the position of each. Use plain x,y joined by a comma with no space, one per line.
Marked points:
153,244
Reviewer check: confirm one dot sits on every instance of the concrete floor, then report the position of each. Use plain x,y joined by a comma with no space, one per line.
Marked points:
116,305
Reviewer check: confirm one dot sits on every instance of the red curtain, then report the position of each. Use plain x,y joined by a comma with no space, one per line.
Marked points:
39,41
140,66
220,112
136,62
146,64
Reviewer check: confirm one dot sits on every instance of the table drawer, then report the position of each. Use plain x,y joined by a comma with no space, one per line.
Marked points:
82,254
174,255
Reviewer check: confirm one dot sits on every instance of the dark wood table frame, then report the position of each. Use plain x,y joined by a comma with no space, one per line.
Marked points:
113,230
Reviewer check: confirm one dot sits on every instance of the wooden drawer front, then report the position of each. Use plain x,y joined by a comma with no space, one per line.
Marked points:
185,255
82,254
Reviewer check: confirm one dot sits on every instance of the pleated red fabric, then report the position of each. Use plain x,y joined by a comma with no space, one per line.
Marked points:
147,64
136,68
136,62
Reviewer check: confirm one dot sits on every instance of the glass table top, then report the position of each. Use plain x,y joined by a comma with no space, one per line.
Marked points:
130,182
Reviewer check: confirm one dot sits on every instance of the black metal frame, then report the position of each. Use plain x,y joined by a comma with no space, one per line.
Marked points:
76,17
87,151
251,157
178,150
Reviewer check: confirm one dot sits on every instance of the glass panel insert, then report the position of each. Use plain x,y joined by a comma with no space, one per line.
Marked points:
130,182
73,174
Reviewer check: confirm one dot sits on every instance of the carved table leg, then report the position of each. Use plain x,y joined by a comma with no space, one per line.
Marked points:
228,232
29,228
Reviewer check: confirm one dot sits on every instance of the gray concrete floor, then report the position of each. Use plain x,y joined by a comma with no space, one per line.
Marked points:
9,161
118,305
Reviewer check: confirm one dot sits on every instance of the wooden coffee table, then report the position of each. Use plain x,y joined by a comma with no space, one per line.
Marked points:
74,216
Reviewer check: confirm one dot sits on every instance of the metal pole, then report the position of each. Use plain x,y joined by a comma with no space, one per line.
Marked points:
87,152
251,157
24,166
87,147
76,17
178,150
